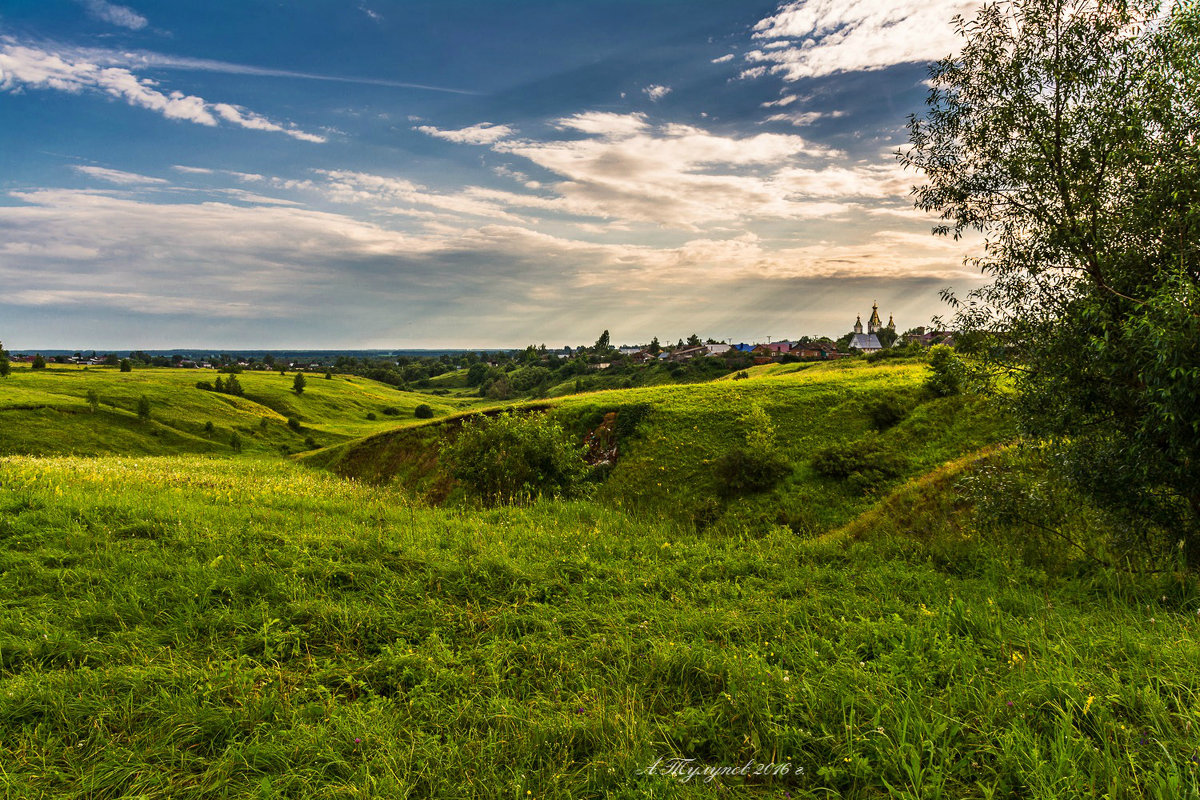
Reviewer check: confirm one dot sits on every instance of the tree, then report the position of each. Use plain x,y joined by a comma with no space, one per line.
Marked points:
655,348
5,366
126,365
603,343
38,362
143,407
1066,134
93,400
298,383
694,341
423,411
235,442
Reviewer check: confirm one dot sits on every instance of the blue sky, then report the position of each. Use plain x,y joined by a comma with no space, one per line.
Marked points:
461,173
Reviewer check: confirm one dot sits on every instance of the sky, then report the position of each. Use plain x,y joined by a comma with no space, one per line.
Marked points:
462,173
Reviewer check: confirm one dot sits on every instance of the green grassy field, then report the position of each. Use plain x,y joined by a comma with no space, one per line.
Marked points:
217,625
46,411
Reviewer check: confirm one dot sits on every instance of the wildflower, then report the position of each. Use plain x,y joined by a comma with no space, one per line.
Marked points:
1088,704
846,759
357,740
1009,703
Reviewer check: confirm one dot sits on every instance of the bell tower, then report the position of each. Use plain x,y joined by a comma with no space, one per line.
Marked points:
873,324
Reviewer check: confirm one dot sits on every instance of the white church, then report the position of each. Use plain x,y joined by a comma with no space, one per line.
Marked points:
869,342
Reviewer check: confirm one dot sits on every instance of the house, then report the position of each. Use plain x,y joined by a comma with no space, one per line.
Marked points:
629,351
641,357
688,353
717,349
815,350
778,348
742,347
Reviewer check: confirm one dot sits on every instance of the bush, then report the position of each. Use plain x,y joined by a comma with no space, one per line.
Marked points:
864,464
510,458
371,416
205,385
294,424
392,411
126,365
143,407
311,443
887,411
298,384
209,428
423,411
757,466
235,441
947,371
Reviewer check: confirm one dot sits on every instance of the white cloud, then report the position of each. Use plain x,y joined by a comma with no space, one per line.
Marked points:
656,92
118,177
27,67
482,133
193,170
603,123
673,175
811,38
723,59
117,15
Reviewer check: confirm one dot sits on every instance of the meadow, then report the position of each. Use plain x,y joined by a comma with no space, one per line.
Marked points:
211,624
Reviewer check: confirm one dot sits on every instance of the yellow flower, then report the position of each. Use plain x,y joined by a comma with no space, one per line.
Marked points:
1088,704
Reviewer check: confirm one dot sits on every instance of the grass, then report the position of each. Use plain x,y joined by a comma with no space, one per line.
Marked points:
204,625
250,628
46,411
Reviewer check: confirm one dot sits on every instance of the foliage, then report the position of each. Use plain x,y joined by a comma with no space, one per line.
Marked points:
93,400
299,383
235,442
5,366
294,424
1067,136
391,411
126,365
887,410
38,362
423,411
756,465
512,458
946,371
866,464
143,407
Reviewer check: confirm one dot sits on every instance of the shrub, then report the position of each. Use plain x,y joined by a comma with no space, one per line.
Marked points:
423,411
294,424
886,411
510,458
209,428
371,416
204,385
143,407
757,466
311,443
235,441
864,464
126,365
38,362
741,376
392,411
299,383
93,400
947,371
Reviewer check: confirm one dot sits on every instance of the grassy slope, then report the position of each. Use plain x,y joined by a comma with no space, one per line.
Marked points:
45,411
250,628
667,468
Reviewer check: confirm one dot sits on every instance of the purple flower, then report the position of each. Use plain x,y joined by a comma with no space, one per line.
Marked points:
357,740
1009,704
